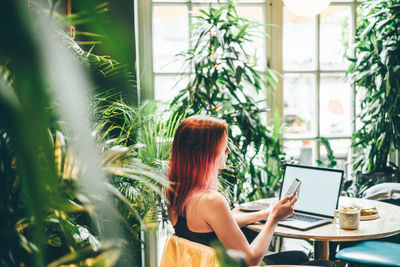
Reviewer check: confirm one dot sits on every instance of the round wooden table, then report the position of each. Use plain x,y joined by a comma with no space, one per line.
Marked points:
387,224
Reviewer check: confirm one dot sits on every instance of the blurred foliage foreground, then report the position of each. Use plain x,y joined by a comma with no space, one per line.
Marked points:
82,172
77,183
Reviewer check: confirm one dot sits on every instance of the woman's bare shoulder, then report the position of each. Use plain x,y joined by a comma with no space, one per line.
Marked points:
213,199
206,205
212,195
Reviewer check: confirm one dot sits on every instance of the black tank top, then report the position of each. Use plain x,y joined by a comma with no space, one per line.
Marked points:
182,230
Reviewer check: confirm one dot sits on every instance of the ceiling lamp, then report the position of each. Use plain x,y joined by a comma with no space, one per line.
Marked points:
306,7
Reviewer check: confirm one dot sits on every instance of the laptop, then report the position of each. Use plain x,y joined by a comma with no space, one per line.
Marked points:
317,197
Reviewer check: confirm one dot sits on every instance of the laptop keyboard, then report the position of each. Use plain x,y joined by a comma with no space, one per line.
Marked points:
301,217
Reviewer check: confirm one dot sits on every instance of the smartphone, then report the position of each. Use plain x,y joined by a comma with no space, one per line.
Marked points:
294,187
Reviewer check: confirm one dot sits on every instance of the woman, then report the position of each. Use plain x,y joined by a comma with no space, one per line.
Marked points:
199,212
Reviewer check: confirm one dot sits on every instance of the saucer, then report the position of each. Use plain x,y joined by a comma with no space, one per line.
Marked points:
249,207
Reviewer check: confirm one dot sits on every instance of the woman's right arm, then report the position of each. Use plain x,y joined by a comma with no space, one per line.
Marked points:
215,211
243,219
280,211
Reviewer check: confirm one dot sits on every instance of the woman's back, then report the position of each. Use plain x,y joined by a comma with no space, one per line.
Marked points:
208,213
194,213
182,230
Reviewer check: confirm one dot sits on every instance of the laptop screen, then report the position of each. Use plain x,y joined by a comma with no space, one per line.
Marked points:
319,190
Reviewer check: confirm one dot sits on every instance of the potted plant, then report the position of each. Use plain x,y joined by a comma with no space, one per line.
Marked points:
375,73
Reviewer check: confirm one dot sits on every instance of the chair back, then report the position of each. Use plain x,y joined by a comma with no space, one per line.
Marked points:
383,191
182,252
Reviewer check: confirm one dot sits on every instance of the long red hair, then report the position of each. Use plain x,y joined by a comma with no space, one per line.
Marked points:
196,153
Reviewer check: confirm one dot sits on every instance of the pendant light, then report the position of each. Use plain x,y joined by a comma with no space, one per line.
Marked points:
306,7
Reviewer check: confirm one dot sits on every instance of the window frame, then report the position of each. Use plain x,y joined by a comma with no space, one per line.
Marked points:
273,10
318,73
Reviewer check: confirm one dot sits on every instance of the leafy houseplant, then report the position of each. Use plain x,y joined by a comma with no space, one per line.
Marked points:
375,72
224,82
56,208
330,161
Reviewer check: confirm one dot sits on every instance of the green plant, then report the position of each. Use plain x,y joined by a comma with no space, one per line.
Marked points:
225,79
229,258
158,130
34,195
137,188
330,161
58,192
115,121
118,124
136,175
375,72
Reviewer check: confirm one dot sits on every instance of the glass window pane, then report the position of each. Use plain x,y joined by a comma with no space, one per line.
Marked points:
301,150
167,42
299,42
196,23
254,13
335,37
194,13
299,104
341,150
166,87
256,47
362,12
335,106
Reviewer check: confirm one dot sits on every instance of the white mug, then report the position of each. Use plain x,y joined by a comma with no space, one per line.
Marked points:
349,219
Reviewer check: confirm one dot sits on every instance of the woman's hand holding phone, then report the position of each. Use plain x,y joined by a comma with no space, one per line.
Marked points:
294,187
283,208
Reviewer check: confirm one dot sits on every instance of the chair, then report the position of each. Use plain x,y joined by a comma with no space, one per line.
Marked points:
378,253
383,191
182,252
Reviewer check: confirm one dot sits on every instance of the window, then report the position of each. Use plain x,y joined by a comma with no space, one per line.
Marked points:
171,35
317,101
314,98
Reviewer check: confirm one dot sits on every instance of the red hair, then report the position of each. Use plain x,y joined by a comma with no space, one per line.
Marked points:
195,157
